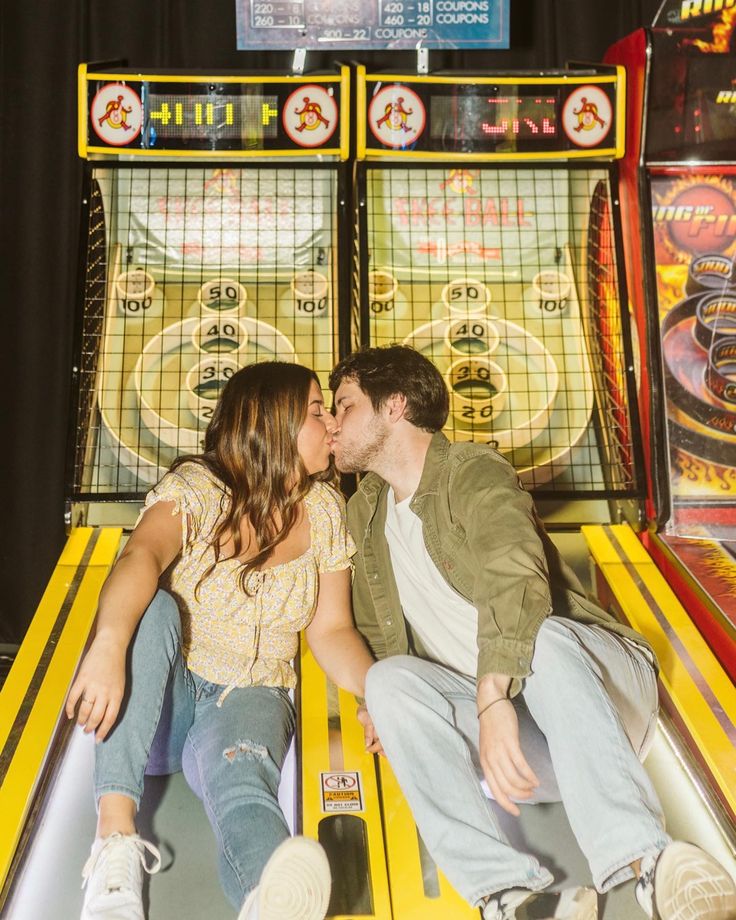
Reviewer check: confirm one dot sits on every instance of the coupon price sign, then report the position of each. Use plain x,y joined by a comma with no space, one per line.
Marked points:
372,24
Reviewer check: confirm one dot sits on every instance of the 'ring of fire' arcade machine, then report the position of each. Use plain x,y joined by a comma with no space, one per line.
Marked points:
213,211
678,199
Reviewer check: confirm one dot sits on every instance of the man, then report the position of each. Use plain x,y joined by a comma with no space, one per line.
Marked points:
492,659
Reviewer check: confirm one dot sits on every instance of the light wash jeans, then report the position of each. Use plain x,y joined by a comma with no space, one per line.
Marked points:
238,749
587,713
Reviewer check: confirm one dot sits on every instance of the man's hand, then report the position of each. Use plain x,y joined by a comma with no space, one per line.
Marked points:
372,742
507,773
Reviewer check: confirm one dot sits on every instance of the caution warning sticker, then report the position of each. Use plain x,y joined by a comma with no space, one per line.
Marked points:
341,792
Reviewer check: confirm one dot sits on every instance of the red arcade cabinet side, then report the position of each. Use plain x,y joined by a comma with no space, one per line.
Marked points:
678,204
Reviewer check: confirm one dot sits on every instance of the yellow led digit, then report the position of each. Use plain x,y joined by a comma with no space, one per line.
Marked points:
267,113
163,115
229,119
209,113
178,114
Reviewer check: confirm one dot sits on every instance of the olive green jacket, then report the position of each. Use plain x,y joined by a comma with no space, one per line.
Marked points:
482,532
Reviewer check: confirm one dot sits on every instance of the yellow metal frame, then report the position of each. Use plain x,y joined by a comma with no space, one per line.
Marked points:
32,707
408,896
342,150
82,111
701,692
616,151
317,758
395,870
31,713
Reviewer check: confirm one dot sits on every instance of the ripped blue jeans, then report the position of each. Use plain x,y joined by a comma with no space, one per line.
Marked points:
238,748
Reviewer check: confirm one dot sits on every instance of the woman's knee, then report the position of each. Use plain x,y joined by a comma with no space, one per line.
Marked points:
161,618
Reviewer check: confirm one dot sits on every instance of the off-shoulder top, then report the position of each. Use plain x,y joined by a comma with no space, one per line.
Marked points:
230,637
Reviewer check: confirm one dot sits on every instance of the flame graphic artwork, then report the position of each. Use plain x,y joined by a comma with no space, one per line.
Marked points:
721,38
693,215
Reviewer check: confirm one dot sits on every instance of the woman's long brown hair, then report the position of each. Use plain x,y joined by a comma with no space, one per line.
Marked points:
251,446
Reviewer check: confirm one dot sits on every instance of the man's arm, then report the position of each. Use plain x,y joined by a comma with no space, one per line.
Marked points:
364,612
512,596
510,588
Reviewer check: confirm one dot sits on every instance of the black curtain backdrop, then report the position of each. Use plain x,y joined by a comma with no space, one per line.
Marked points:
41,44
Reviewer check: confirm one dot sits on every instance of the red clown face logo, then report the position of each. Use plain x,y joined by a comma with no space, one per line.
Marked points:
461,181
116,114
587,116
310,116
396,116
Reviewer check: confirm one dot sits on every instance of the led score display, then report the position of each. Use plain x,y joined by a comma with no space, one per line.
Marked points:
512,116
202,117
228,116
487,117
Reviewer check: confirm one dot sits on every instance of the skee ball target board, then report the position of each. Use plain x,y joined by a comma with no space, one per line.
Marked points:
489,242
194,269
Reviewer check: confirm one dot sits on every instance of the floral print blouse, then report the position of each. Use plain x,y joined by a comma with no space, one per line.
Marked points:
232,638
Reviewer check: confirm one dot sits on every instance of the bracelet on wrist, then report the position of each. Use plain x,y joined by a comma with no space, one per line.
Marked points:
501,699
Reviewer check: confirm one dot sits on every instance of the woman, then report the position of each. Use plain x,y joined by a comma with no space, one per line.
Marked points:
249,541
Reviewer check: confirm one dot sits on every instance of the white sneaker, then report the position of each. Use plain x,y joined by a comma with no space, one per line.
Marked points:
113,877
521,904
685,883
294,884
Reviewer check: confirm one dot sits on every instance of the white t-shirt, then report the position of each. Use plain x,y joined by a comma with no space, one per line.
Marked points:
446,624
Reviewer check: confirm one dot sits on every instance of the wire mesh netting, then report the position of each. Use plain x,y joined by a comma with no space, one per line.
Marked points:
507,279
191,273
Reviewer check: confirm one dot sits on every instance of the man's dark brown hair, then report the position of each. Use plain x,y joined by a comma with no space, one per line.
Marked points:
398,369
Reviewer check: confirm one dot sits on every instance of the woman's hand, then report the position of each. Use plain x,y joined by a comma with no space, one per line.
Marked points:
98,687
505,768
372,741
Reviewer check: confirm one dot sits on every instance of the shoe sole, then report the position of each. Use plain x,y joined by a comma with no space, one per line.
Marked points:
691,885
295,885
582,906
585,907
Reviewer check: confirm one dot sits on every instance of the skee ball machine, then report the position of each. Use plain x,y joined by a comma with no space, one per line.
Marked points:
212,225
194,269
679,198
488,239
489,232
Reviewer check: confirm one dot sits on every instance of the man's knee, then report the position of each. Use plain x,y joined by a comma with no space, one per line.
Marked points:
554,636
554,645
386,679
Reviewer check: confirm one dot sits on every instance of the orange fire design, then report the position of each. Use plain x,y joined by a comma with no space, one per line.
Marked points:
722,32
